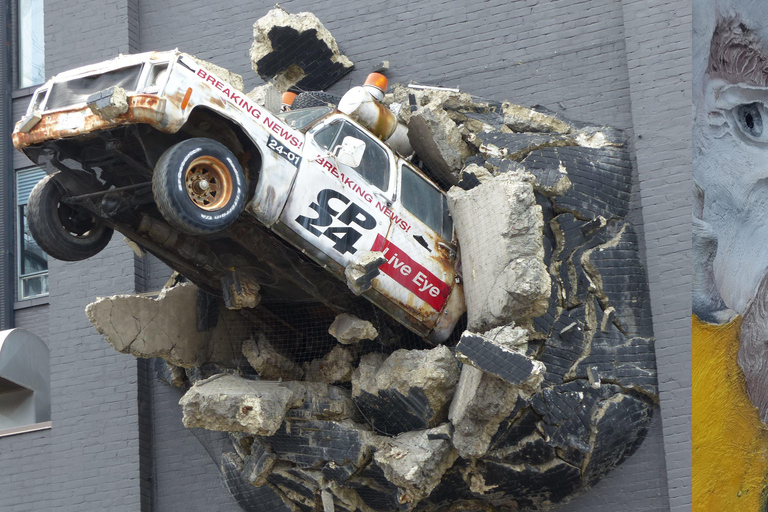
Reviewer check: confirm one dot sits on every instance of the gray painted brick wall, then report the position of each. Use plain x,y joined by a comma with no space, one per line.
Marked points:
94,456
33,319
659,62
588,59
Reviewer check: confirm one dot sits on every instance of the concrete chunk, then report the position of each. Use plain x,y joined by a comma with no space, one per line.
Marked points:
348,329
258,464
296,49
409,390
501,356
226,75
268,96
505,277
361,271
522,119
482,401
270,364
314,443
416,461
167,327
438,142
108,103
336,366
232,404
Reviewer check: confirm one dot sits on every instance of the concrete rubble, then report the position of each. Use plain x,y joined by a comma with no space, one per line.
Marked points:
296,49
268,363
482,401
337,366
506,279
226,75
416,461
551,386
227,403
502,353
409,390
108,103
361,271
166,327
348,329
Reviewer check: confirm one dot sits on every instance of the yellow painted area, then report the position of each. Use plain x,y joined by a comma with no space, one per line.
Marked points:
730,443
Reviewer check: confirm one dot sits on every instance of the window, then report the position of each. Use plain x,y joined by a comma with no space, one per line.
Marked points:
426,203
374,166
31,39
32,262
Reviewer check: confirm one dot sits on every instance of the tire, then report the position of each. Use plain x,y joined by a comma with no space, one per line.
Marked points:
314,99
179,178
63,231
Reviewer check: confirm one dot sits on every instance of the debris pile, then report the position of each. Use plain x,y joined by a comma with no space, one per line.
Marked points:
550,387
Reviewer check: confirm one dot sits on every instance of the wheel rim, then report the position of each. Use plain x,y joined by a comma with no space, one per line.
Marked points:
209,183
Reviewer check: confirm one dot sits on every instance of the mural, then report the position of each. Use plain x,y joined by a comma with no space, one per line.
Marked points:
730,263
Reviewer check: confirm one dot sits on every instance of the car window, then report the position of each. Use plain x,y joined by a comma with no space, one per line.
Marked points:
426,203
302,118
374,166
326,135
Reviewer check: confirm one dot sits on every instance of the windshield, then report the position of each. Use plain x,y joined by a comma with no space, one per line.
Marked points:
301,119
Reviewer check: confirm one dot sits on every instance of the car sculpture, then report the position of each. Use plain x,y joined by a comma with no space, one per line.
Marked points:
160,148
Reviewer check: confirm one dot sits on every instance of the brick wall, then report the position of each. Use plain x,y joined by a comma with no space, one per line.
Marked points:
659,63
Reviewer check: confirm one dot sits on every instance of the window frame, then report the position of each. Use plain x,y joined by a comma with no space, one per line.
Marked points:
17,36
20,206
391,160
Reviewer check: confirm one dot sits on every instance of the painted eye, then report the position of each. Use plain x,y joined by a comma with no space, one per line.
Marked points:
749,119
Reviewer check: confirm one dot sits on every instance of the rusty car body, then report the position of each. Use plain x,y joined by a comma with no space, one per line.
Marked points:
294,184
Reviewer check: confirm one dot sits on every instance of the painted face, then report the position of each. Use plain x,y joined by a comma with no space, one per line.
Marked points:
730,158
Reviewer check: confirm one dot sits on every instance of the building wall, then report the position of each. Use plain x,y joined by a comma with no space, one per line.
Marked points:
618,63
659,65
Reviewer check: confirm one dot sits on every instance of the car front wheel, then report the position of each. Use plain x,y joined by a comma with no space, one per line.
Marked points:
64,231
199,186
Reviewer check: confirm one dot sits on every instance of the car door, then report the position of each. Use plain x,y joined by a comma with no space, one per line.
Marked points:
337,210
419,248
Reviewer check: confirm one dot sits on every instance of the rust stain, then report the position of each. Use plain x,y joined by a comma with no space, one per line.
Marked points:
142,108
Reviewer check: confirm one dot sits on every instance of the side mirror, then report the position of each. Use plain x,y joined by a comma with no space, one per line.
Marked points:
350,152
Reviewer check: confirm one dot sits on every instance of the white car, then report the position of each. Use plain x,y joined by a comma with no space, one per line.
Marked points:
157,146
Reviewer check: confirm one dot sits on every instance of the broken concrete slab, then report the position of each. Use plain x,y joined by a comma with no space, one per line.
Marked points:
323,402
247,496
109,103
338,365
348,329
268,96
232,404
224,74
409,390
257,465
522,119
268,363
481,402
502,353
505,277
438,142
167,327
314,443
416,461
361,271
239,291
298,50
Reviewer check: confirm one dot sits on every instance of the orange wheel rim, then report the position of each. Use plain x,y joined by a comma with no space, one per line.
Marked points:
209,183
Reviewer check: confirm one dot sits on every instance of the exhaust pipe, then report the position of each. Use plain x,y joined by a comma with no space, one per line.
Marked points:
364,105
